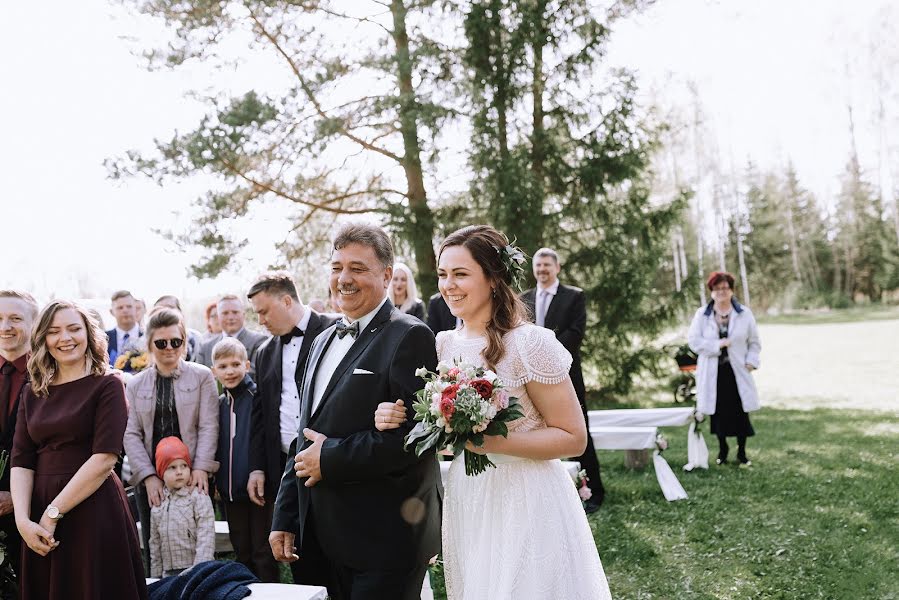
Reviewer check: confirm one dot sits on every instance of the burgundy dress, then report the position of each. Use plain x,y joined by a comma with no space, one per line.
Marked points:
98,556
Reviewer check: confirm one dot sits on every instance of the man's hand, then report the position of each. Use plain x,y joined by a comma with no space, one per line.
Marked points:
282,546
5,503
308,462
750,368
724,343
256,488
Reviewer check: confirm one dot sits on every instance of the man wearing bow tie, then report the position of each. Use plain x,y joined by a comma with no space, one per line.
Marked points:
366,511
279,368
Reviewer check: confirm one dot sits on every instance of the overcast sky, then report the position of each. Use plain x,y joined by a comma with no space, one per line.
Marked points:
771,74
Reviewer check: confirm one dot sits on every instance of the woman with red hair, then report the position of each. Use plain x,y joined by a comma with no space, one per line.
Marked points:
725,336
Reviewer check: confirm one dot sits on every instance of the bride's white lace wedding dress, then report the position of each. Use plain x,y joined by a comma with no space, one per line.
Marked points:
517,532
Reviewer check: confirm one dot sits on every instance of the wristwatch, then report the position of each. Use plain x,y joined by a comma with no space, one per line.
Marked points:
53,512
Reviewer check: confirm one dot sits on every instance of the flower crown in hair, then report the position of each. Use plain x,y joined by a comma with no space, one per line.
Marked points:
513,260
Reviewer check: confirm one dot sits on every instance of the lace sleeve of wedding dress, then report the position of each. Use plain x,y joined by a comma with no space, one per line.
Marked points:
440,342
537,356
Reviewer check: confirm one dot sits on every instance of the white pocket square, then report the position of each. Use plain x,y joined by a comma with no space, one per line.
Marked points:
362,372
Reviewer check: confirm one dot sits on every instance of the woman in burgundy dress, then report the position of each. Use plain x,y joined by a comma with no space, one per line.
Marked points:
79,540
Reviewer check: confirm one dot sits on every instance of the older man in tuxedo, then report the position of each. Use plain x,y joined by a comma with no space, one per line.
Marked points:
366,512
279,368
563,309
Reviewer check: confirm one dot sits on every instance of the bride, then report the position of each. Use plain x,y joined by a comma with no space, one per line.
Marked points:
517,531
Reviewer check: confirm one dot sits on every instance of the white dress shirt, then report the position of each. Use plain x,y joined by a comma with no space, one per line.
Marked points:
290,395
543,300
335,353
133,336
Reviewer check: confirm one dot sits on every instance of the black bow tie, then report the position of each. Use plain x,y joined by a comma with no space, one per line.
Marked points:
343,329
295,332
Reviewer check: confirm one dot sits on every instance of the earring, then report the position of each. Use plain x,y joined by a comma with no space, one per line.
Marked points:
494,292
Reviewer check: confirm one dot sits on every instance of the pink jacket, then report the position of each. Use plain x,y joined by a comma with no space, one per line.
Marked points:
196,402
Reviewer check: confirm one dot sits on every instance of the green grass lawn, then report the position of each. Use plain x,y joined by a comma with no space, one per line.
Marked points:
815,516
862,312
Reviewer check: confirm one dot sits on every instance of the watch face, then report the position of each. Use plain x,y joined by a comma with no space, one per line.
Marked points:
53,512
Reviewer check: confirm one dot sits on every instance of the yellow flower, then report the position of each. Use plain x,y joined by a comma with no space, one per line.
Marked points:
121,361
139,362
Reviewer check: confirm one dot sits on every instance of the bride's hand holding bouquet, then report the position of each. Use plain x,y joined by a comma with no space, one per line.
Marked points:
459,407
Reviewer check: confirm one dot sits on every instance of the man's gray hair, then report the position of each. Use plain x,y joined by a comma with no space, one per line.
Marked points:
543,252
366,235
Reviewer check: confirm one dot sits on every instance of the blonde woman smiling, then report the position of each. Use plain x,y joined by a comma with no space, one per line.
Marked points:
403,292
70,508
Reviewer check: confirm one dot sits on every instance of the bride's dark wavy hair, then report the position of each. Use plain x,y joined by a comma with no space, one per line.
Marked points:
486,246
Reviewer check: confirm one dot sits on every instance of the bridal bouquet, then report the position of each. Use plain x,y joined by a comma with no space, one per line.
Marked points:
461,403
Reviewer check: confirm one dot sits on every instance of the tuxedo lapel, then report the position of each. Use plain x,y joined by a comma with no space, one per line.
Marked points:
312,330
278,356
365,338
319,346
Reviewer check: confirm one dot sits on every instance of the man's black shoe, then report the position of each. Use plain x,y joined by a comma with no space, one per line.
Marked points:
591,507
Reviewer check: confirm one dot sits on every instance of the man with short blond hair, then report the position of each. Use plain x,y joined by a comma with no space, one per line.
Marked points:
127,331
18,311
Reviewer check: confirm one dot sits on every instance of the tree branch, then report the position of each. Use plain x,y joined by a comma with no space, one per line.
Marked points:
311,96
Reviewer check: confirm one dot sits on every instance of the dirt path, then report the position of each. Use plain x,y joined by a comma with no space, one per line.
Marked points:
841,365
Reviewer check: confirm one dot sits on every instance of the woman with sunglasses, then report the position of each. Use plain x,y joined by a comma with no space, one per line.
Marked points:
171,398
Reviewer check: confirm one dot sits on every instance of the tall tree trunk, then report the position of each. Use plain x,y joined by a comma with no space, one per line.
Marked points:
794,250
421,231
743,278
537,194
676,260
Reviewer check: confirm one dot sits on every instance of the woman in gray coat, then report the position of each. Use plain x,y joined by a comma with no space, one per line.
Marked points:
171,398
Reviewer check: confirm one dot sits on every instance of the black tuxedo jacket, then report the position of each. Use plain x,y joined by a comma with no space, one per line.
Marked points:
567,317
439,316
265,422
377,506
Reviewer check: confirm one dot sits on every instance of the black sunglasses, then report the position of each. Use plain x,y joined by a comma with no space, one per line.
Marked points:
162,344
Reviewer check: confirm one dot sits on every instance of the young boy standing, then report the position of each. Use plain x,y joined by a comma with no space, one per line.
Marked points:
248,523
182,527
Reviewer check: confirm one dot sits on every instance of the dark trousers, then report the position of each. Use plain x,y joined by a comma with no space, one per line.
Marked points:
590,463
344,583
249,526
143,511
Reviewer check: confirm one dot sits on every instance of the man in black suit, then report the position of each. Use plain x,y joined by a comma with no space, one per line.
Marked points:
439,316
18,311
279,368
563,309
367,512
